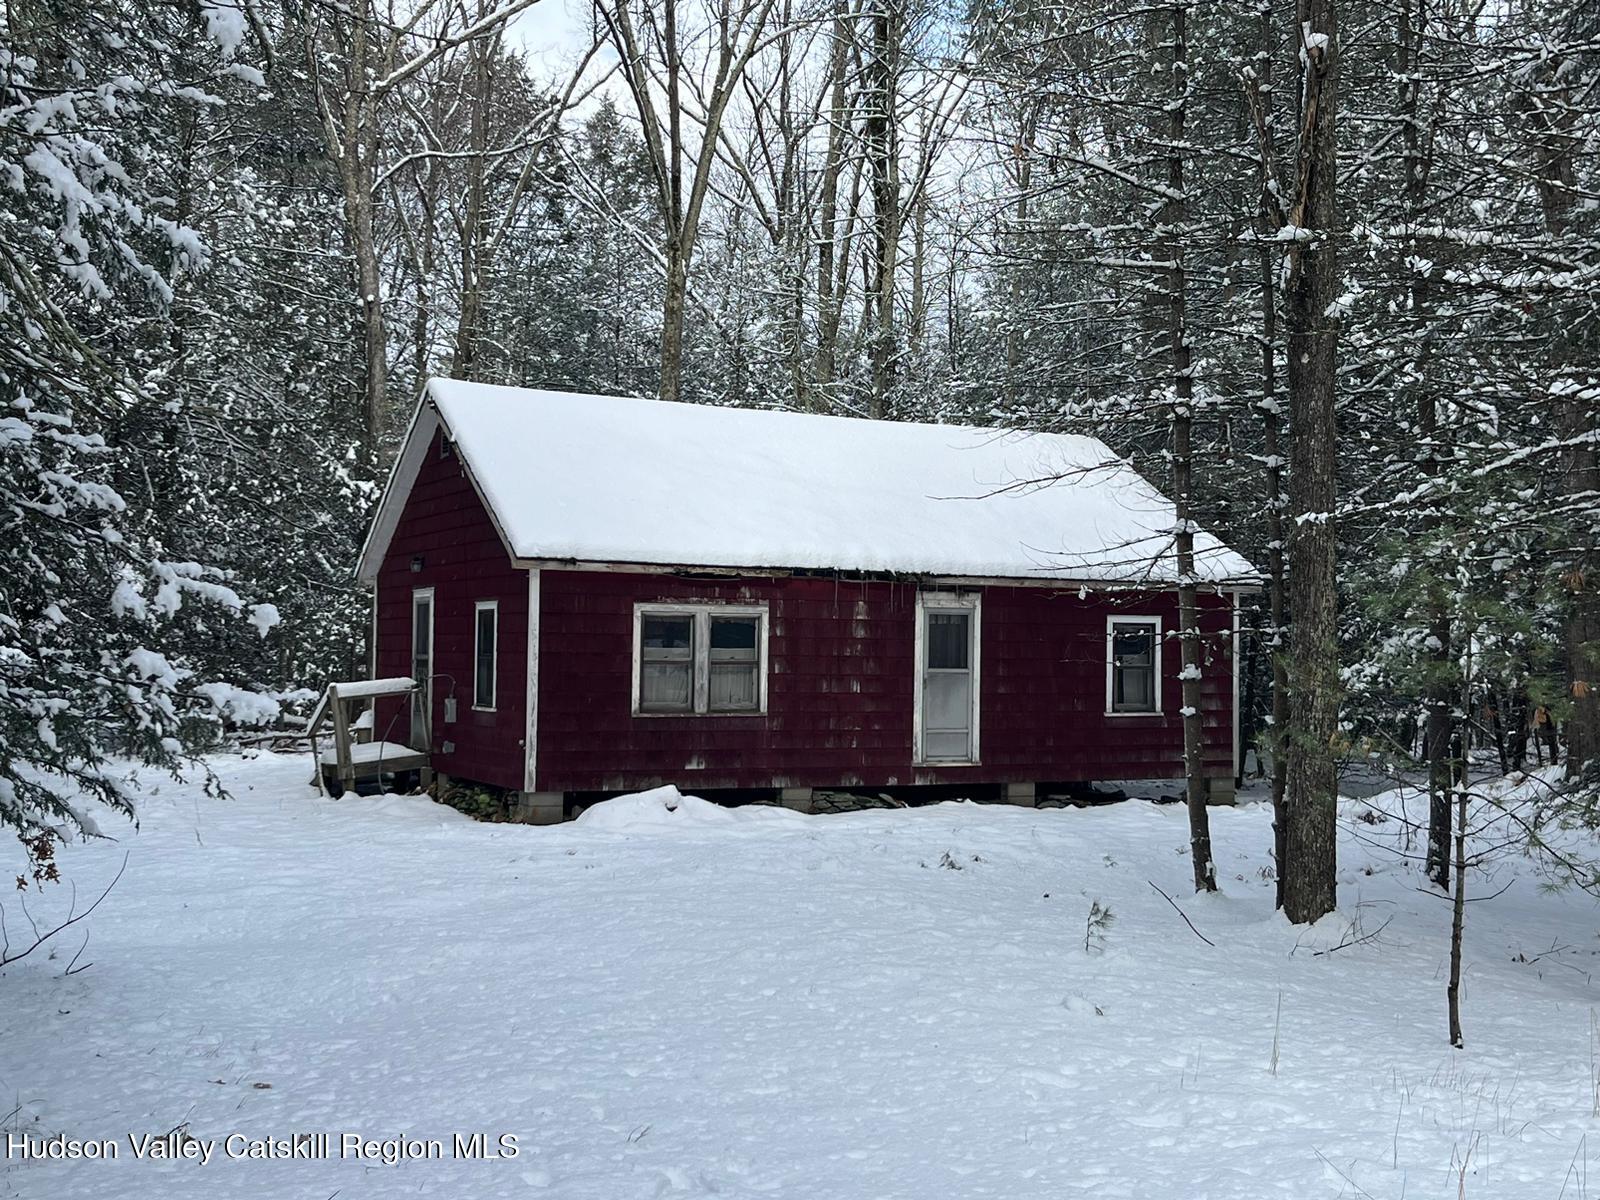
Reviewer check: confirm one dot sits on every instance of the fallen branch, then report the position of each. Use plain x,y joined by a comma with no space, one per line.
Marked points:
1352,941
7,957
1182,914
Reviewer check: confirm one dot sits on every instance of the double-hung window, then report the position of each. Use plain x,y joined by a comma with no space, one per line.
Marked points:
1133,665
485,639
699,658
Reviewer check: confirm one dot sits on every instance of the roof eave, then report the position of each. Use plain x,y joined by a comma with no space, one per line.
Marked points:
1230,584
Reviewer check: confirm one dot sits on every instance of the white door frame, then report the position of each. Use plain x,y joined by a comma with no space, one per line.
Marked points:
972,604
425,695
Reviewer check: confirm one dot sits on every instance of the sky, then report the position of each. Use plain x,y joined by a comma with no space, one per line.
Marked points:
552,31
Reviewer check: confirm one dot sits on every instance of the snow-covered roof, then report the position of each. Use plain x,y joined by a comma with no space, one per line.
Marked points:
570,477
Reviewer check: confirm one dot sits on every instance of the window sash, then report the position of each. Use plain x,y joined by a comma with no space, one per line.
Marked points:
949,646
733,681
485,653
702,678
1134,649
666,686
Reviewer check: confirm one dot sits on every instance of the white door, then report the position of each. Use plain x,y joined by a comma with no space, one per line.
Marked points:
422,667
949,683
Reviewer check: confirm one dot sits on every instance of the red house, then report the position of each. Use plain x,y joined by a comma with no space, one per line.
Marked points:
606,594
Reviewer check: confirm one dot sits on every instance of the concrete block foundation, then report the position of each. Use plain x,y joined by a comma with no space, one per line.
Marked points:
538,808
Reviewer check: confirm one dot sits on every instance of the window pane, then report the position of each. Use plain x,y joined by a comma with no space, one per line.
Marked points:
1134,689
666,669
733,687
666,686
947,702
421,619
953,746
1133,674
483,668
949,641
664,632
1133,645
421,639
734,638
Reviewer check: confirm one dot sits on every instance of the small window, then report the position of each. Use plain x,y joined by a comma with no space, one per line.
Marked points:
700,659
486,638
1134,669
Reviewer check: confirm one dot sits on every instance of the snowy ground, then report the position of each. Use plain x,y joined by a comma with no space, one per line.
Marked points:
774,1005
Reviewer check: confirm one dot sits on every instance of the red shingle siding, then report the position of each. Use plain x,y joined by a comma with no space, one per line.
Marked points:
464,561
840,689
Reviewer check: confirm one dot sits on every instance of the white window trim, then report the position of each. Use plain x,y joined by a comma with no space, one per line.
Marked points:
940,601
494,663
702,614
530,746
1111,667
425,686
1233,653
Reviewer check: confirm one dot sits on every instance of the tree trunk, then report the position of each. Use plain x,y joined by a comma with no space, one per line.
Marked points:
1458,910
1581,486
1556,144
1583,649
1436,748
369,278
883,154
677,287
1439,688
350,126
917,316
475,224
1174,226
829,311
1269,216
1017,245
1313,285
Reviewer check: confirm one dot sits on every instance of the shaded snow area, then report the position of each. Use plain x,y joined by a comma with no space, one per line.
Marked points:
666,1000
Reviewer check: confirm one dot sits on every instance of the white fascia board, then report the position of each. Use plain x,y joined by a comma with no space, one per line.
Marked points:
425,422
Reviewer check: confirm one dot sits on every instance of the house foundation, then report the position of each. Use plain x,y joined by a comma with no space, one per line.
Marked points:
1024,794
800,799
538,808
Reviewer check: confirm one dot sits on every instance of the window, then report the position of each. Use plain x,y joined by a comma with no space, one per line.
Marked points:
666,673
735,660
1133,665
486,638
699,658
946,690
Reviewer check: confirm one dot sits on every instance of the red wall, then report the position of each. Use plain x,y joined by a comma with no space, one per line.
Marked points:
464,561
840,690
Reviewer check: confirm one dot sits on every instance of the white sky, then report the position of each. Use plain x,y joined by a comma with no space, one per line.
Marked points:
552,31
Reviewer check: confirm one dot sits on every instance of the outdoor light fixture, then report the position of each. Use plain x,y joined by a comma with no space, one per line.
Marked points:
416,563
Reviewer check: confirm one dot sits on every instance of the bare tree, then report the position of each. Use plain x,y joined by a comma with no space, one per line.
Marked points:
885,19
1313,287
358,55
1174,231
681,97
1270,214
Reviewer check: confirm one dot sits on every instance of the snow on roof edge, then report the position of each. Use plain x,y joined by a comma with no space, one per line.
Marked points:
447,398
